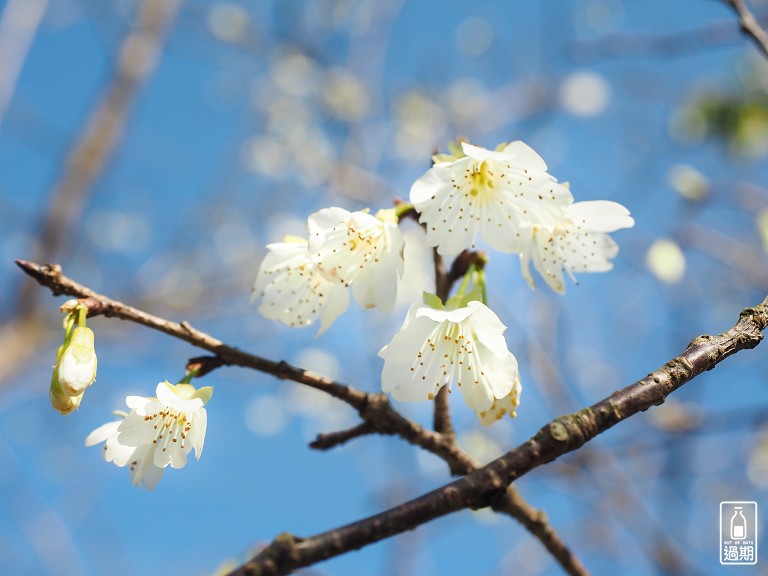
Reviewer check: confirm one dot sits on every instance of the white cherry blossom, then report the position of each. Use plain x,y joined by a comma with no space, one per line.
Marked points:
293,291
498,195
156,432
577,243
359,250
435,348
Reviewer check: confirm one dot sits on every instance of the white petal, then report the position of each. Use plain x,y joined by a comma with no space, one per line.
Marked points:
376,285
326,219
488,329
401,355
600,216
478,395
143,471
135,431
196,437
506,230
481,154
280,255
525,264
434,181
150,475
176,455
522,154
167,394
102,433
502,372
161,458
117,453
335,304
137,403
456,316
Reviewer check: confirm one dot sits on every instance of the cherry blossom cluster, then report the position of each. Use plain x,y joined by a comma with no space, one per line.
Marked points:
504,198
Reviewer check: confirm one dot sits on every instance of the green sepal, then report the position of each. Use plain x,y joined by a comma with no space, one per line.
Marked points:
433,301
204,394
461,300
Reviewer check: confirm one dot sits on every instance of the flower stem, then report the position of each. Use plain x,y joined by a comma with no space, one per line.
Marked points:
467,277
403,208
82,313
481,282
188,375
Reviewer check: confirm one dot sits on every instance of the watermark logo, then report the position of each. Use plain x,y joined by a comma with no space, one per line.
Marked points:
738,532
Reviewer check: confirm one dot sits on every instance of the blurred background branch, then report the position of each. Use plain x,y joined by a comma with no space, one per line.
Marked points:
91,150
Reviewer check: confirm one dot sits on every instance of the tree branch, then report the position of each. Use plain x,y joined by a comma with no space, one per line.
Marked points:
333,439
92,149
749,24
487,486
441,420
375,409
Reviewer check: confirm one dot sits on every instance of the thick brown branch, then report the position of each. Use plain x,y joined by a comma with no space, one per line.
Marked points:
375,409
750,25
488,485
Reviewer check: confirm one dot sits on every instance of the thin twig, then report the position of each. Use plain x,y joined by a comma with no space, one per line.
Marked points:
333,439
91,152
374,409
441,421
488,485
750,25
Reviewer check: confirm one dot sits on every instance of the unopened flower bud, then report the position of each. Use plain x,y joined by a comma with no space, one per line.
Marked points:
77,368
60,401
63,403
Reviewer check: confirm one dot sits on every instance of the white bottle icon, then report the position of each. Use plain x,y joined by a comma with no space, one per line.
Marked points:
738,525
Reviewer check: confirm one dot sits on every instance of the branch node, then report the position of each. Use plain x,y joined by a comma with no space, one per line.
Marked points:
333,439
559,432
202,365
279,557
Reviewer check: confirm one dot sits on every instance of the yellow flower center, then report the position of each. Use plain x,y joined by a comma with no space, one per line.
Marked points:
170,425
480,180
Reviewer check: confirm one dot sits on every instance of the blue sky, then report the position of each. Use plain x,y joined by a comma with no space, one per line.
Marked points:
245,128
